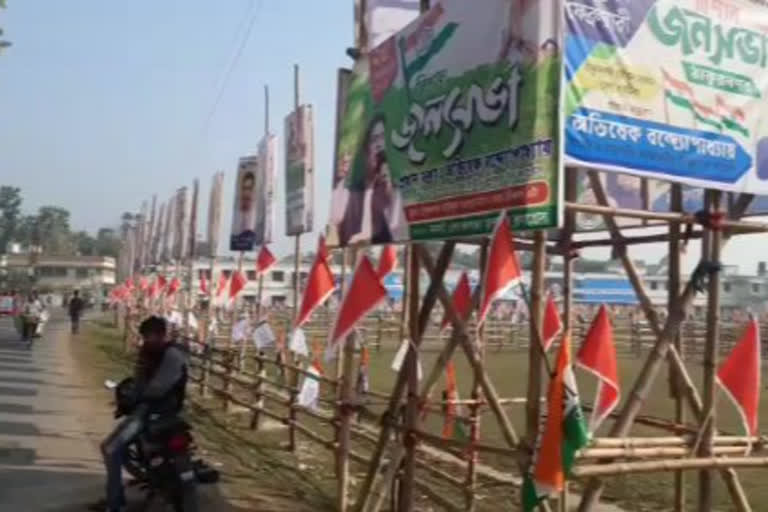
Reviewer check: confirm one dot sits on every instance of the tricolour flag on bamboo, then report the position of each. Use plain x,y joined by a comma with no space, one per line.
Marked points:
739,376
264,260
461,299
387,261
320,285
553,324
562,433
365,292
237,283
453,426
597,355
502,270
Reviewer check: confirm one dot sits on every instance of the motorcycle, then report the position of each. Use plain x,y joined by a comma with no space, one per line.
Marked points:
161,459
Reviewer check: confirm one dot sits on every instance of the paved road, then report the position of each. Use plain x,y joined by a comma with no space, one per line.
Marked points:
49,461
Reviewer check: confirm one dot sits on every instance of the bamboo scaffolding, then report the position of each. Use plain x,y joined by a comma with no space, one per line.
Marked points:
622,468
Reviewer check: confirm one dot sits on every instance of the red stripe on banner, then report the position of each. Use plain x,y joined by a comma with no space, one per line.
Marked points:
530,194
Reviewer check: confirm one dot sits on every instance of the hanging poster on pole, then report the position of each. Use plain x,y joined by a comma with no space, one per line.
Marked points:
243,237
695,116
214,213
299,171
266,188
180,216
192,233
449,121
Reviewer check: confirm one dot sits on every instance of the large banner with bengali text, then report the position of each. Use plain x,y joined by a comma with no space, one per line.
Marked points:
669,89
448,122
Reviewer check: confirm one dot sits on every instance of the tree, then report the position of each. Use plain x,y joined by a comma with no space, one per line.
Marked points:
10,211
84,243
53,229
107,243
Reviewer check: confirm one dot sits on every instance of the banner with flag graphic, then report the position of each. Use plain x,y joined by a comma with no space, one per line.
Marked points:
387,261
695,116
264,260
553,324
461,299
365,292
562,433
502,269
453,426
739,377
320,285
597,355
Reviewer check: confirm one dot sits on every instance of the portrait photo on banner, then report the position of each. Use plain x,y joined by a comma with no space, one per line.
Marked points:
445,124
243,237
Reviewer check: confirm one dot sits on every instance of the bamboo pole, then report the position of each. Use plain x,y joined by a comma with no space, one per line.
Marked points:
673,281
229,355
340,370
405,501
366,499
710,252
622,468
661,350
345,419
536,371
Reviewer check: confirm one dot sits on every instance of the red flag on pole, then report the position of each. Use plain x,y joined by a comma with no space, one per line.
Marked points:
143,284
320,285
203,284
462,300
154,289
597,355
129,284
162,282
173,287
502,269
222,285
739,376
264,260
364,294
237,284
387,261
553,325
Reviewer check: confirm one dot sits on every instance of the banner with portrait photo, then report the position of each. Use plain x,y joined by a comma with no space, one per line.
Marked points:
299,171
179,221
243,235
450,121
265,186
670,90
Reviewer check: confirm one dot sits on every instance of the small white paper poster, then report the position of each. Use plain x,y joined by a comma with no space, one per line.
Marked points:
240,330
310,390
192,320
175,318
298,343
263,336
397,362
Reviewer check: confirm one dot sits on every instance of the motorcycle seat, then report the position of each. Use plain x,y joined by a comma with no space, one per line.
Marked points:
165,426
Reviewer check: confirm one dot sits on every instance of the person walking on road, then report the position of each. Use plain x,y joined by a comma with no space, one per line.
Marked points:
76,306
31,317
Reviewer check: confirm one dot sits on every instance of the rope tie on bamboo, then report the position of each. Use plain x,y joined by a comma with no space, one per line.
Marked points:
708,220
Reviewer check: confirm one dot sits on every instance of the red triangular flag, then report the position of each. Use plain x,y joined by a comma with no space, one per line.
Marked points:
364,294
598,356
237,284
502,269
222,285
162,282
387,261
129,284
143,284
553,325
154,289
264,260
173,287
203,284
320,285
739,376
462,300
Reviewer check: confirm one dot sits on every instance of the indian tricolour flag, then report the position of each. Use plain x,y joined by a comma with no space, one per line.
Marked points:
562,433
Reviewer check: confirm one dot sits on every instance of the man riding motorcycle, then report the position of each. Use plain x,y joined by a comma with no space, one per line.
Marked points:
160,383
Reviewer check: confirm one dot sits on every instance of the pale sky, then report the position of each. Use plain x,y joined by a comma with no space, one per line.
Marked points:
105,103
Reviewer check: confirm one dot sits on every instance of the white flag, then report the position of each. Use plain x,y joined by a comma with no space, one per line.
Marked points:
397,362
310,389
298,343
263,336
